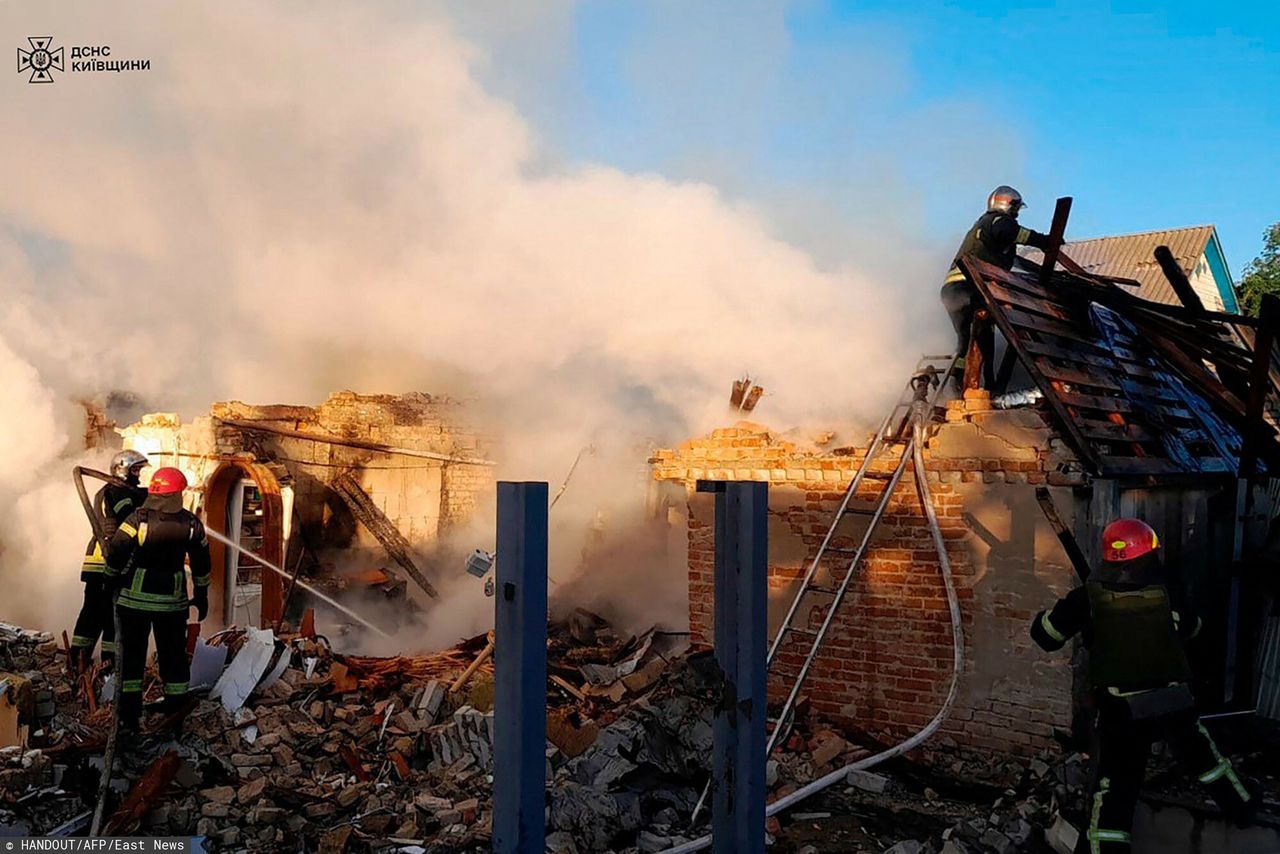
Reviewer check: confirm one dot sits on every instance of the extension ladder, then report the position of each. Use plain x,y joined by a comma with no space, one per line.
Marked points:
894,439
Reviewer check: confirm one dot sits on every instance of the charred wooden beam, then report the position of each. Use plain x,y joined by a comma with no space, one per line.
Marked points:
1259,384
1008,328
329,439
368,514
1074,553
1058,228
1178,280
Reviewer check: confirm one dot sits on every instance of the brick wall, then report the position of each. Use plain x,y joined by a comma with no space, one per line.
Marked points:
885,665
422,497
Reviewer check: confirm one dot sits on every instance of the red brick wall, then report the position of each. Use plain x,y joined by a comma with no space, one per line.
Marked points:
886,663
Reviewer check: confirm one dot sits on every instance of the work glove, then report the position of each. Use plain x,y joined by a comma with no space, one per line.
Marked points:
201,601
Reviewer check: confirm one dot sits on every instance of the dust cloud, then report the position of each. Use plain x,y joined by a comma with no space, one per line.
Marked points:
303,197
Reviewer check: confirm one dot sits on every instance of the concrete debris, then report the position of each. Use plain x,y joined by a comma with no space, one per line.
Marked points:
360,754
868,781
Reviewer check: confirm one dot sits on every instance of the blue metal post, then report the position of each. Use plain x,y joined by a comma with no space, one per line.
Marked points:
741,644
520,670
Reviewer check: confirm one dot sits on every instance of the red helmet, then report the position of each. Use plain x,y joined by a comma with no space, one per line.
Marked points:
1126,539
167,481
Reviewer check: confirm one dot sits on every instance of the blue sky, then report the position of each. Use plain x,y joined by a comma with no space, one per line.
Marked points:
834,117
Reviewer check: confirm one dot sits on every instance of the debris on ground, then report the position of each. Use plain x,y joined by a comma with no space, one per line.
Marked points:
304,748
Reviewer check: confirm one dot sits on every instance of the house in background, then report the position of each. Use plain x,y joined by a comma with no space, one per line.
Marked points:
1131,256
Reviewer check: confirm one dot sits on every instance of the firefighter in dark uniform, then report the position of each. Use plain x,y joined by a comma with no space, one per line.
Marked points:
146,559
1134,627
993,238
113,504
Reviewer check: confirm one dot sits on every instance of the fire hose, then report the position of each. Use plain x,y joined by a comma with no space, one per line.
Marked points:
109,754
957,662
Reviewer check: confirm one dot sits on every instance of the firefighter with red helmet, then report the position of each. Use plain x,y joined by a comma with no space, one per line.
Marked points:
994,237
1134,626
147,558
113,504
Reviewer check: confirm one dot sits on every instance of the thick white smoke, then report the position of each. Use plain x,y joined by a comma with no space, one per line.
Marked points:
303,197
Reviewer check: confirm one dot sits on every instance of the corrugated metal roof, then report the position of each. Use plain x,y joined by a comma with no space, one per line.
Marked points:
1131,256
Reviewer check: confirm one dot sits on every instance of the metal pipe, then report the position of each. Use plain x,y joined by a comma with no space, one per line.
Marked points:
304,585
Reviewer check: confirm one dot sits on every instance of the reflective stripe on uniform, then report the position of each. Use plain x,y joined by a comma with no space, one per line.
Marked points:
142,533
121,504
135,598
80,641
1047,625
172,688
1024,234
1096,836
108,646
1223,768
131,686
128,529
152,607
955,274
1104,785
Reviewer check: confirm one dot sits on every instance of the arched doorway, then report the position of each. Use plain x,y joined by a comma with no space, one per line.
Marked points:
251,493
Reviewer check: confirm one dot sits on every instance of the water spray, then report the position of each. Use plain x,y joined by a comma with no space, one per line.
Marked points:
307,587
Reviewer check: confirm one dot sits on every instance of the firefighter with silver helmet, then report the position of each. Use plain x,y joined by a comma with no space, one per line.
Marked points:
147,560
1134,625
113,504
994,238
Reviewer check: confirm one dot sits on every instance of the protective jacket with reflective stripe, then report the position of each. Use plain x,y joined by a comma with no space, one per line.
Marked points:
113,504
1134,632
995,238
150,550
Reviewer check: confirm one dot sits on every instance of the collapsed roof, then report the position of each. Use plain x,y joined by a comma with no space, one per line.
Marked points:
1139,388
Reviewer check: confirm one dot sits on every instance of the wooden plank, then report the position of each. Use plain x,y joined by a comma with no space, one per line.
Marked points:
1255,427
1008,328
1035,323
1106,431
1093,401
1178,280
1057,229
1019,284
1137,465
1132,367
1042,307
386,533
1092,378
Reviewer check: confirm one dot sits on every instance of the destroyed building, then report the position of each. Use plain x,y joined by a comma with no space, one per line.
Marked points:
380,477
1124,407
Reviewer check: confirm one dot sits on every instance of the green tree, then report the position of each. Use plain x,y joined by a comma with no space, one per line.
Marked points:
1262,275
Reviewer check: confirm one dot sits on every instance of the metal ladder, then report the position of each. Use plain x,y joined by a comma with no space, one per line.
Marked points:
916,401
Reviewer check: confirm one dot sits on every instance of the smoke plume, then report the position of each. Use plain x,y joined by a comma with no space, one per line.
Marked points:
302,197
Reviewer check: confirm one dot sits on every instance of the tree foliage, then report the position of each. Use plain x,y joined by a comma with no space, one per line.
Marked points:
1262,275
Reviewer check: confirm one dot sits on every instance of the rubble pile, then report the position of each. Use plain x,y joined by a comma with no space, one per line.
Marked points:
294,742
290,746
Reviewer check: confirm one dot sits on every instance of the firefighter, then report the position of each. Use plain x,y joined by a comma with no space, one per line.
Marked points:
146,560
1134,627
993,238
112,504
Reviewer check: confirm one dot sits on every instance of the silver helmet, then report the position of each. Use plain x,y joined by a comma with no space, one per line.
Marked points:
124,462
1006,200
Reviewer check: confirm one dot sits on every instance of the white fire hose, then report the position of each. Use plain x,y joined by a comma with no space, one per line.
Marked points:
957,663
